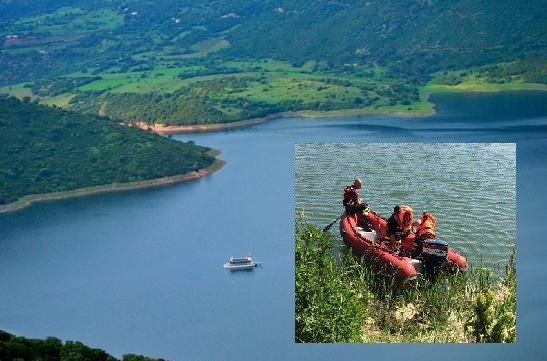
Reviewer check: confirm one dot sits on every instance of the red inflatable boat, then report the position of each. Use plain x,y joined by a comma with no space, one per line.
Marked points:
433,255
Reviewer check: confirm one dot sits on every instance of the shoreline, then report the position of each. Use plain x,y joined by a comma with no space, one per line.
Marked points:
115,187
481,88
427,90
163,129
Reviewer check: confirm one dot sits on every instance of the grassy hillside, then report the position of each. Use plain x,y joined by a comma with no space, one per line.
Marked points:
47,150
187,62
229,97
343,299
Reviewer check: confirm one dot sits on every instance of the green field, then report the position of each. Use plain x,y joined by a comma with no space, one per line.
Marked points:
17,90
260,81
66,21
267,84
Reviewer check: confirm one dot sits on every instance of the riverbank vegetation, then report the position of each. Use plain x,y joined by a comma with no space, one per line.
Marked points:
204,62
341,299
44,150
14,348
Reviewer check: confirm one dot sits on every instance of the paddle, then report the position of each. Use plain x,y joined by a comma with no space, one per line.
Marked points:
330,225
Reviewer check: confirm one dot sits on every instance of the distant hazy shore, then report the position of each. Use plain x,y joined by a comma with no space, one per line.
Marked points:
114,187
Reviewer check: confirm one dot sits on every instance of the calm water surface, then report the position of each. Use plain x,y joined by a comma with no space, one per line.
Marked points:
141,271
469,187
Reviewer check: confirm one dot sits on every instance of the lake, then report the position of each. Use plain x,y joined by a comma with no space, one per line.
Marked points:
469,187
141,271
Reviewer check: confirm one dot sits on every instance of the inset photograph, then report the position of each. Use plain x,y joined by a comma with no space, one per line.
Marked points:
405,242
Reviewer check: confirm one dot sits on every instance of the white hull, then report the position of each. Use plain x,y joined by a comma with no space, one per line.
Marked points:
236,267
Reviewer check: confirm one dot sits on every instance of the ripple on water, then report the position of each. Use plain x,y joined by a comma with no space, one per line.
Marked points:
470,188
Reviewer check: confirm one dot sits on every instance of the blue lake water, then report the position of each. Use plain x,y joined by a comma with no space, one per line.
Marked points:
141,271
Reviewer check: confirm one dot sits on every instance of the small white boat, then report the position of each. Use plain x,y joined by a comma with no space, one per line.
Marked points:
241,263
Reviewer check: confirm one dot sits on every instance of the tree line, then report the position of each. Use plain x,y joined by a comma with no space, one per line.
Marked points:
44,149
16,348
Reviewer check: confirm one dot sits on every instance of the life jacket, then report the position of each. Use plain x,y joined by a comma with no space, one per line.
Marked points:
404,223
347,199
426,228
404,218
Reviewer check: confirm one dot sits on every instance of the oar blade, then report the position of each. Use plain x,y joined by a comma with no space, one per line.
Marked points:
326,229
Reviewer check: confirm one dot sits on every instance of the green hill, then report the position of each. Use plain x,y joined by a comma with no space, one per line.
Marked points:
46,150
415,37
52,349
410,38
194,62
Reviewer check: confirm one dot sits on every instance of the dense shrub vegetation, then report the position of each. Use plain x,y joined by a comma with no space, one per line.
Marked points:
230,98
345,300
14,348
411,37
160,61
48,150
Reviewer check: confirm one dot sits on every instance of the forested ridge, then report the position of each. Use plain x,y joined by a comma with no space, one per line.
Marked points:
48,149
15,348
273,56
413,37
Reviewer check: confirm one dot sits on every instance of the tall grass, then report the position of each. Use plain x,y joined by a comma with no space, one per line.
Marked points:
342,298
326,309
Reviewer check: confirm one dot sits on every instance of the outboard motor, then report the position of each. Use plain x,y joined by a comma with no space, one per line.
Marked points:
434,253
